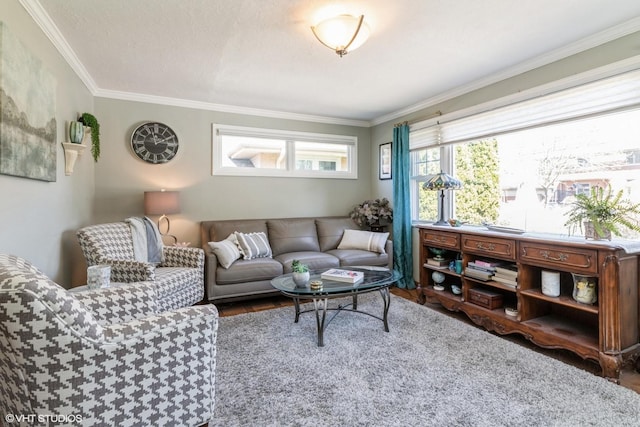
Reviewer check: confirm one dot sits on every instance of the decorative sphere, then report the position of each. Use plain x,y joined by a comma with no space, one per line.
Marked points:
437,277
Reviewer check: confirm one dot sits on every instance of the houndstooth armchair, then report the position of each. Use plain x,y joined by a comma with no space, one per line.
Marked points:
102,357
179,279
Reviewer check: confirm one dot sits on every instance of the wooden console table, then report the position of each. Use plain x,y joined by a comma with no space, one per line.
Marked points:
607,331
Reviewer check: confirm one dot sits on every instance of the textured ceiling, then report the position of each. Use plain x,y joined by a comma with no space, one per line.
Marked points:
261,54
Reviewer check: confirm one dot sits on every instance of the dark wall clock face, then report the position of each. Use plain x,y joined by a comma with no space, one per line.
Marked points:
154,142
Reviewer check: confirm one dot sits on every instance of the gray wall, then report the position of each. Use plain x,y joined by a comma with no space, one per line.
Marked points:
39,218
121,178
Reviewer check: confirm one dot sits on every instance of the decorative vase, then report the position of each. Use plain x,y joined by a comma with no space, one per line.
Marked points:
301,279
76,132
551,283
590,232
585,289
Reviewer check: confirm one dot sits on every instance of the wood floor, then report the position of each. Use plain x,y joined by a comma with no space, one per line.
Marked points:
629,377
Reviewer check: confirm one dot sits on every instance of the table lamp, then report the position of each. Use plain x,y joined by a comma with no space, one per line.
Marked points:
442,181
162,203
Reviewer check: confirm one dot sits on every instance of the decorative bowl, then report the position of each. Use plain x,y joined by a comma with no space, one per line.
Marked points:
511,312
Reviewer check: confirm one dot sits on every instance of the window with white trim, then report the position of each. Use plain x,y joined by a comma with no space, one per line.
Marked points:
522,164
245,151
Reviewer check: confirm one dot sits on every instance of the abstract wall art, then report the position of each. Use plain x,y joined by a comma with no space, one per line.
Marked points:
27,112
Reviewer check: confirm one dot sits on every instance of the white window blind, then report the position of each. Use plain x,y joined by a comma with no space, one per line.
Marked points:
606,95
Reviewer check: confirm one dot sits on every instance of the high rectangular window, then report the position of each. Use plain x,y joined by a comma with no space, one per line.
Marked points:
268,152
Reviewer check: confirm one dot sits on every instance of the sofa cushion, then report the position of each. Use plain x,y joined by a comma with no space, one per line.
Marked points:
226,250
253,270
253,245
355,257
331,230
365,240
314,260
292,235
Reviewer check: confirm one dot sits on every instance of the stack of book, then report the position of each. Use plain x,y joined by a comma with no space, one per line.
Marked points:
507,275
438,263
481,269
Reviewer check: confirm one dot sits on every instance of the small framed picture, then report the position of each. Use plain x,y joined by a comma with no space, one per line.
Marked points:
385,161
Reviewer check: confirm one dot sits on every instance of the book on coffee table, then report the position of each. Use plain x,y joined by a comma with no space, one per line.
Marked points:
340,275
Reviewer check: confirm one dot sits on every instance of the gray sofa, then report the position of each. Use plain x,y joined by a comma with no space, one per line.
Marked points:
313,241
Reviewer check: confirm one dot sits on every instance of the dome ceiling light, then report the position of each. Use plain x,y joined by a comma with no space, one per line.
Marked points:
342,33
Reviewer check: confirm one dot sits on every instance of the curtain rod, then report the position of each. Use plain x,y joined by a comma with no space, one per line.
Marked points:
421,119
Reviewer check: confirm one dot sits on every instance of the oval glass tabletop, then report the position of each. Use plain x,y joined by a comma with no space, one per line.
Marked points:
374,277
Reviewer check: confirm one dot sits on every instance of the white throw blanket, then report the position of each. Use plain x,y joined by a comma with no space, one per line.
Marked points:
147,241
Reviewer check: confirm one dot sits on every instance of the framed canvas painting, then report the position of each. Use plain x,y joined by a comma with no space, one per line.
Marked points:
385,161
27,112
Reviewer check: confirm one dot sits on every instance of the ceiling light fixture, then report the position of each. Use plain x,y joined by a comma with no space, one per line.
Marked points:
342,33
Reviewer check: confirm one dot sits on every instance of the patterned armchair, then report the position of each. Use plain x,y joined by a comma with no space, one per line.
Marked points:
102,357
179,279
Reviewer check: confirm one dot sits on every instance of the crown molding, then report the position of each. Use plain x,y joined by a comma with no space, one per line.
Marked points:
223,108
592,41
49,28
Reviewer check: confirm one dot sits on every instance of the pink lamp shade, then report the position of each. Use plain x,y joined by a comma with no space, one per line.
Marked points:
161,202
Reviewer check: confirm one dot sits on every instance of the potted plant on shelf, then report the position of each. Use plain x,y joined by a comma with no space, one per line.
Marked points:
300,273
602,212
373,214
90,121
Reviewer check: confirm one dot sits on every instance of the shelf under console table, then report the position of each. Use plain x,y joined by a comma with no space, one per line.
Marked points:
607,331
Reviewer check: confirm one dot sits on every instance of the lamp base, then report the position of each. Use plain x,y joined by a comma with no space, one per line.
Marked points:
166,218
442,222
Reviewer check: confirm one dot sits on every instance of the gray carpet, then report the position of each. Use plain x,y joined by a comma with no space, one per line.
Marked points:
429,370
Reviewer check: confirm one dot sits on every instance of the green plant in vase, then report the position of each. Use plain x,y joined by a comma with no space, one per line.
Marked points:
300,273
602,212
90,120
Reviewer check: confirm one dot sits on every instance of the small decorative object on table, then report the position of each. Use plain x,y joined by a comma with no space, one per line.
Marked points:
315,285
456,289
98,276
340,275
455,222
585,289
300,273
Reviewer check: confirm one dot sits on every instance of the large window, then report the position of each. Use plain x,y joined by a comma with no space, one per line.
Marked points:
267,152
527,178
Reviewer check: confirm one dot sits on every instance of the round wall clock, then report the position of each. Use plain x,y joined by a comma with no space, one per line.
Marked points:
154,142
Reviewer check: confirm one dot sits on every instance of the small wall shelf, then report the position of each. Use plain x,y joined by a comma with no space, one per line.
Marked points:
71,153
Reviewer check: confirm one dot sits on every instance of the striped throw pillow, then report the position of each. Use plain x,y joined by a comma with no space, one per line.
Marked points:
364,240
254,245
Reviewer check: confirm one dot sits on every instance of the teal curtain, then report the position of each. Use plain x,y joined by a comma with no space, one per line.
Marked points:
402,247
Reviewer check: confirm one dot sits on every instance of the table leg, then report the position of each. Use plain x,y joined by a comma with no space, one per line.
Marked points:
386,299
296,303
320,304
355,301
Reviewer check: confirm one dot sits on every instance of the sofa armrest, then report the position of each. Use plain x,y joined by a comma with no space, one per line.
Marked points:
210,270
388,248
183,318
176,256
130,270
121,303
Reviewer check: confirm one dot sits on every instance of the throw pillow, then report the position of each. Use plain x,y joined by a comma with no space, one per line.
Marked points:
254,245
365,240
226,250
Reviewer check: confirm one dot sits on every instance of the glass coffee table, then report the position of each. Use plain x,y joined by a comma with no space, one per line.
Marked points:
375,279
